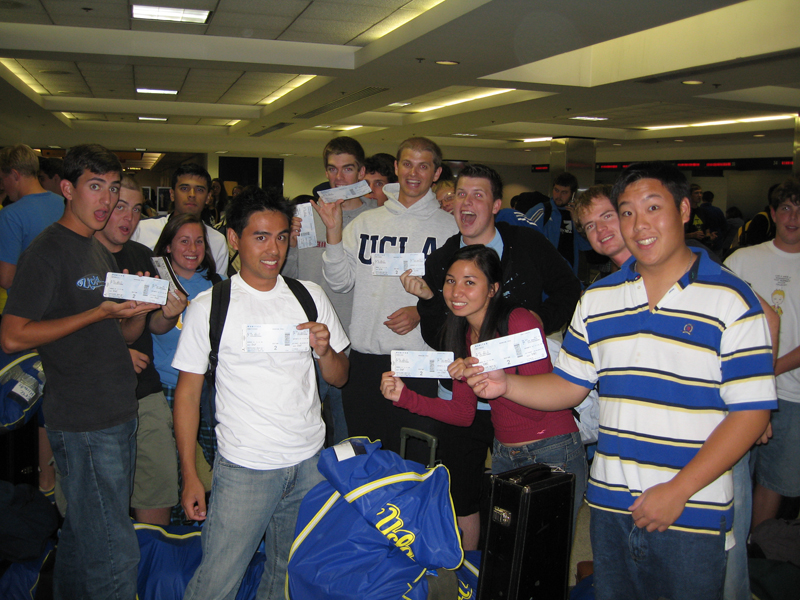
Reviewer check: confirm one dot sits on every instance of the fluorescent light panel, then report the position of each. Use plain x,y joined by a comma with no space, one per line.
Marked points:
152,118
589,118
728,122
454,102
149,91
282,91
176,15
539,139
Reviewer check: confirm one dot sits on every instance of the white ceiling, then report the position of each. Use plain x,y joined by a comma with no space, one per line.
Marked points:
69,70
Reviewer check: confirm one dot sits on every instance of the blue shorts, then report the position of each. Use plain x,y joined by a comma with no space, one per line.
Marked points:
777,463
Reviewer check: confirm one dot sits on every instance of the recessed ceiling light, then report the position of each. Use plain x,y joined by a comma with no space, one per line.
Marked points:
176,15
539,139
285,89
528,150
349,127
399,104
322,126
657,127
152,118
678,140
759,135
448,63
141,149
222,152
232,123
618,144
465,134
54,147
286,154
589,118
692,82
151,91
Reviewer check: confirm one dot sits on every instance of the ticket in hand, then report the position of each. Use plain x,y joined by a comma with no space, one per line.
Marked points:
308,232
166,273
345,192
134,287
428,365
394,265
510,351
274,338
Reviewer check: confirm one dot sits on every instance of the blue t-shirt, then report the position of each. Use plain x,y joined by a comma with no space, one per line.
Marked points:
25,219
164,345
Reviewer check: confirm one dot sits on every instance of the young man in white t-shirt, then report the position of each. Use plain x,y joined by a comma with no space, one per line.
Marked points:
773,270
270,428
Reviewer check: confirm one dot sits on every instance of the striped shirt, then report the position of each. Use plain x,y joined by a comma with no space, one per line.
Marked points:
667,378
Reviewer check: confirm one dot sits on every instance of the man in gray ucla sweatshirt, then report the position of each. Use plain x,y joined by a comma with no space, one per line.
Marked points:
384,315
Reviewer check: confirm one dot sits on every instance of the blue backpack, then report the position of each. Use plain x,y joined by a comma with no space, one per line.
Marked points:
21,385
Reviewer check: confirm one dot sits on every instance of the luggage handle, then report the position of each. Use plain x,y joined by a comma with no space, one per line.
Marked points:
431,440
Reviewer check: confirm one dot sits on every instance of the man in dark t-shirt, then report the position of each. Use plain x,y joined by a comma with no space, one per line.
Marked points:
155,480
57,306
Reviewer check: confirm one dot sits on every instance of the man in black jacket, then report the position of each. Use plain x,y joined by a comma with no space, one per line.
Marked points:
535,276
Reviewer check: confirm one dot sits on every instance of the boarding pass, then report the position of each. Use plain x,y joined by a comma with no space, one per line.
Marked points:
428,365
167,274
134,287
510,351
345,192
392,265
274,338
308,233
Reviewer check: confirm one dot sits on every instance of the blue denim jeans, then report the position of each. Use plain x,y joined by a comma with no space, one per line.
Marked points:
246,504
331,398
563,452
634,564
98,553
737,575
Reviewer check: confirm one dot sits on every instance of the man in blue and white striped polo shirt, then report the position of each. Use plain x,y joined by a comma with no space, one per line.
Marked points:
682,352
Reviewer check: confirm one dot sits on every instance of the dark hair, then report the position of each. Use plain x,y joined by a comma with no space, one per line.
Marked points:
454,332
89,157
51,167
169,232
222,199
344,145
252,200
478,171
567,180
788,191
302,199
669,175
694,186
383,164
421,144
733,212
708,196
194,170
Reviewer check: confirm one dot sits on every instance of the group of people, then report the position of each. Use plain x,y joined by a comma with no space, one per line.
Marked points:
680,349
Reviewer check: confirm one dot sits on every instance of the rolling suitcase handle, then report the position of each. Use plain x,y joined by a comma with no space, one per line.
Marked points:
431,440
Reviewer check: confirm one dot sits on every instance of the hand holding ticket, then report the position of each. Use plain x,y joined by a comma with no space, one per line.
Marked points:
308,233
510,351
345,192
428,365
394,265
134,287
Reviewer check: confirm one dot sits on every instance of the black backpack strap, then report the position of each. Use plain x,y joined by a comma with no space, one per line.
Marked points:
303,297
220,299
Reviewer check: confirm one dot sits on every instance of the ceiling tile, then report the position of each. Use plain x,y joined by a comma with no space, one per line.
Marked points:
244,32
278,8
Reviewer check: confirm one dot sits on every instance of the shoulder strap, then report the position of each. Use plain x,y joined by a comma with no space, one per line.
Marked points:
303,297
220,300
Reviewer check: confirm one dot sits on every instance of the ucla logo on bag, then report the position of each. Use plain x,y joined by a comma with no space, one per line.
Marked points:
391,526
